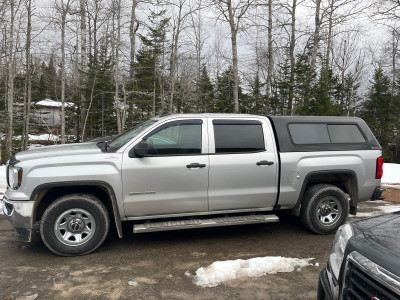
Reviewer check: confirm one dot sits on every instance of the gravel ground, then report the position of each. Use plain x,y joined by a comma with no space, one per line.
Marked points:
157,262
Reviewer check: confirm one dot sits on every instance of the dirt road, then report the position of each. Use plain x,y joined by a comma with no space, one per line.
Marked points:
158,262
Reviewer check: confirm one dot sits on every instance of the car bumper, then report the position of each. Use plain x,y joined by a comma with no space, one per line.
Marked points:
19,214
377,195
328,289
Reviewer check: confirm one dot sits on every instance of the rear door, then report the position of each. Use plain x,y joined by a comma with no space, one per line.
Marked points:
243,164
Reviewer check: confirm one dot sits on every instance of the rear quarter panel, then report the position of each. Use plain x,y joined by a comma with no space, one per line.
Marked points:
295,166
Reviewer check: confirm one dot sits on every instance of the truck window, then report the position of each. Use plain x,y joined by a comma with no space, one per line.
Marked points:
238,138
345,133
317,133
177,138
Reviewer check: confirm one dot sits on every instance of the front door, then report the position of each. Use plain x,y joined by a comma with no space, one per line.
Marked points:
173,179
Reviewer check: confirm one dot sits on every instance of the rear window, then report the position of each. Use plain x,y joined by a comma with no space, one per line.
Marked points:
238,138
313,133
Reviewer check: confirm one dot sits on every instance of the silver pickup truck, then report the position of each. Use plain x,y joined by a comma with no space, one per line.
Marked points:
190,171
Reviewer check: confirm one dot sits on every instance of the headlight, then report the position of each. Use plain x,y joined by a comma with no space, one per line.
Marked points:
344,233
14,177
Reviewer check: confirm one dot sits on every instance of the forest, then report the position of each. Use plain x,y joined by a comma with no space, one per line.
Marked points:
120,62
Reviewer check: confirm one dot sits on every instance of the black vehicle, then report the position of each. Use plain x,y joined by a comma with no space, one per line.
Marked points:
364,262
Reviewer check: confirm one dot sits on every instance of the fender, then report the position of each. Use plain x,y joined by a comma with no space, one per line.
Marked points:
352,190
103,184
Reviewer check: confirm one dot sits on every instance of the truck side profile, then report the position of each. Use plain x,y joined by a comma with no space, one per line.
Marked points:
189,171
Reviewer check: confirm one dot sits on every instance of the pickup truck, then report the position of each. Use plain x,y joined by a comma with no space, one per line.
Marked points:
192,171
364,262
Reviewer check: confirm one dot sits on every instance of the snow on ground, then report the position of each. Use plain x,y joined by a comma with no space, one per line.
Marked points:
391,174
221,271
40,137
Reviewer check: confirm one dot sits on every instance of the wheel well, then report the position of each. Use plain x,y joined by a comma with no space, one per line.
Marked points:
346,181
48,195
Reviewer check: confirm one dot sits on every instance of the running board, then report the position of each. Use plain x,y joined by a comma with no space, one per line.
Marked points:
202,223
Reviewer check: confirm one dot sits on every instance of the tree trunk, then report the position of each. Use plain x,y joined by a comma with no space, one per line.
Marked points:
235,68
316,34
270,59
83,63
132,35
10,83
63,79
291,57
329,38
28,79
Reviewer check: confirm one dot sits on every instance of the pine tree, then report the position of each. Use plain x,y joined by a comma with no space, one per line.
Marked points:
205,92
322,105
150,66
224,92
304,84
377,112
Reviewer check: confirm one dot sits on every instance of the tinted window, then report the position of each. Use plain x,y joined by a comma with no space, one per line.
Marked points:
236,138
176,139
309,133
345,134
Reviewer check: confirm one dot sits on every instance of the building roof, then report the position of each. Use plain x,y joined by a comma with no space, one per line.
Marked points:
52,103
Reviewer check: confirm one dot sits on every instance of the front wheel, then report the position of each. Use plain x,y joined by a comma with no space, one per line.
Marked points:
324,208
75,224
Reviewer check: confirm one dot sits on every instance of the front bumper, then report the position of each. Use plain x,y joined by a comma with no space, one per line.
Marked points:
19,213
324,287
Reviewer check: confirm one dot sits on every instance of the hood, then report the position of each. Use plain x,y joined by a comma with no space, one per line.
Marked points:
378,239
59,150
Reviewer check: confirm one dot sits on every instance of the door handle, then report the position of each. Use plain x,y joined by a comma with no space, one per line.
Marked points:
195,165
264,163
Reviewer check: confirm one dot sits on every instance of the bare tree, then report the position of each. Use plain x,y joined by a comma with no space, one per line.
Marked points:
10,82
234,14
177,27
63,8
28,78
316,38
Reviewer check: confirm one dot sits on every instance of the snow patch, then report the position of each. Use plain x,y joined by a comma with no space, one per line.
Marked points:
52,103
133,283
391,174
222,271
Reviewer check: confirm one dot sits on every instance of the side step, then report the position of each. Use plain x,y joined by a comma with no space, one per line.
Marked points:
202,223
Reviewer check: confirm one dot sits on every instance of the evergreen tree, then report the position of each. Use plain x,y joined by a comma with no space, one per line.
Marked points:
322,105
150,66
205,92
280,99
377,112
224,92
304,84
256,97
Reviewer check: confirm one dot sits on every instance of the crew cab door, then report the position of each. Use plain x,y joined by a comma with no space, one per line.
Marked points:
173,177
243,164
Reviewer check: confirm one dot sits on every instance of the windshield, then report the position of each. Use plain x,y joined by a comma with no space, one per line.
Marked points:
121,140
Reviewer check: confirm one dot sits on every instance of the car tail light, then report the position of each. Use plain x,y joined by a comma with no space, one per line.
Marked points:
379,167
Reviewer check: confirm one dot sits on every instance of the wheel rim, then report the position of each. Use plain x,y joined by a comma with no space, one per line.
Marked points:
74,227
329,211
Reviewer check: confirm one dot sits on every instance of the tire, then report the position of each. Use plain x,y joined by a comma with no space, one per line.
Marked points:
75,224
324,208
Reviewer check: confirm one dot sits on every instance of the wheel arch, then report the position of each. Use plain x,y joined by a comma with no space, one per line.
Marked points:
346,180
43,195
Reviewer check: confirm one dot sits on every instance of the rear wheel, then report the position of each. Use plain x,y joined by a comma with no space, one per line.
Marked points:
324,208
75,224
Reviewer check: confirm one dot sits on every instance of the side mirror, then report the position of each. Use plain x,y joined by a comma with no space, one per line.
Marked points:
143,148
